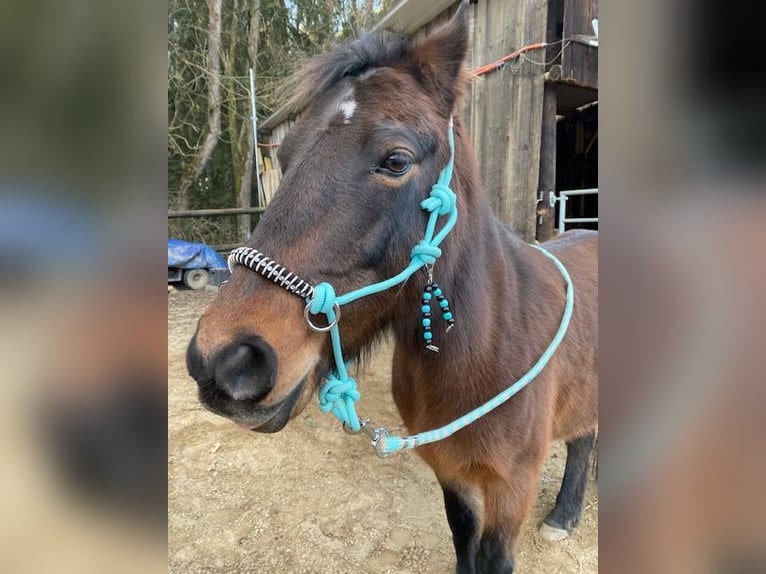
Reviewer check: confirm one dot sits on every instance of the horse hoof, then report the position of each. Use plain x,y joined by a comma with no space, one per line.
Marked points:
551,533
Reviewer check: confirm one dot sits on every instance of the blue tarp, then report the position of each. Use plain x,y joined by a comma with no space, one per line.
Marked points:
187,255
42,230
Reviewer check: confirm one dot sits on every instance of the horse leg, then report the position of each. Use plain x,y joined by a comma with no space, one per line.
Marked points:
463,520
506,504
566,514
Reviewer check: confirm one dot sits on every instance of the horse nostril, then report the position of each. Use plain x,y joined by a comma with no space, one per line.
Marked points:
195,364
246,369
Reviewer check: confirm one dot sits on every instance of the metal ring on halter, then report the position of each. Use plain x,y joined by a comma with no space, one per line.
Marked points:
336,309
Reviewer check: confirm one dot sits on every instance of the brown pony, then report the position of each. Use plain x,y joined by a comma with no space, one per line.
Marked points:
356,166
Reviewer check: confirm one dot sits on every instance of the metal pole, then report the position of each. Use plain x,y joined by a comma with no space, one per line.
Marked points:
261,197
562,212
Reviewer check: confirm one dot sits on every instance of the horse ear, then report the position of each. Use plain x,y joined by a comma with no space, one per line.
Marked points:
438,62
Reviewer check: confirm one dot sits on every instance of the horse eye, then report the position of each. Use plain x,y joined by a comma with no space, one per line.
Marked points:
396,163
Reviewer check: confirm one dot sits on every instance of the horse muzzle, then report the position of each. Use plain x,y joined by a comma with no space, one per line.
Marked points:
236,381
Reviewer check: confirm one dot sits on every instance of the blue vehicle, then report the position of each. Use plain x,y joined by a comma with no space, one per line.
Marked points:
195,264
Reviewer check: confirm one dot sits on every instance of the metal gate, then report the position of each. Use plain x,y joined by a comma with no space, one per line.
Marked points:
563,198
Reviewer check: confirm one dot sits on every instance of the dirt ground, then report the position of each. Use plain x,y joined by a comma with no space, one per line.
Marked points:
312,499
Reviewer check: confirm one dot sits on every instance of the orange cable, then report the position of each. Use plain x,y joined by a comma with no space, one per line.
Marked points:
496,64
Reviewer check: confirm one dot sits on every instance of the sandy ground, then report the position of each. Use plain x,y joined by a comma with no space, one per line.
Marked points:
312,499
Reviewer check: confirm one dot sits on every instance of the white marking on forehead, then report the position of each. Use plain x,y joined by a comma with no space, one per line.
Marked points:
342,107
348,107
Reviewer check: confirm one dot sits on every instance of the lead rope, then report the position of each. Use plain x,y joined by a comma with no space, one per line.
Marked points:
339,394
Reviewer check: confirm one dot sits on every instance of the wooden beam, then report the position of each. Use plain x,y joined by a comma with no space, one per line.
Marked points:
579,61
215,212
545,213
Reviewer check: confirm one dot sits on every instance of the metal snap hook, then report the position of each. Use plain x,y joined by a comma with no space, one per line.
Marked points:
320,329
379,437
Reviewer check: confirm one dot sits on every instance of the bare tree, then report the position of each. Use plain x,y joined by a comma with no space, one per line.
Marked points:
239,120
213,127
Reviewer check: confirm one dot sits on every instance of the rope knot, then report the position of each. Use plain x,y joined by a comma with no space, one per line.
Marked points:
339,397
441,199
425,253
323,300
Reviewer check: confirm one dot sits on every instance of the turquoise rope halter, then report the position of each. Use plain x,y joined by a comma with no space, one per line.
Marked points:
339,394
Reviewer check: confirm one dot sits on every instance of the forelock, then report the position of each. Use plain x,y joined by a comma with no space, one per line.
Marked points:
370,51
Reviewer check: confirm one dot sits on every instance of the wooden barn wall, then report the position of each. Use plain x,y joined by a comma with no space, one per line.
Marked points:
506,108
503,109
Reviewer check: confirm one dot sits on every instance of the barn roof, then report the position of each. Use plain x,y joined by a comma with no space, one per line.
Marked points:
407,16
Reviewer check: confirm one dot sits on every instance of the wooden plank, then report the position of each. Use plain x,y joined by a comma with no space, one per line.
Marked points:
579,63
579,17
214,212
545,213
554,26
271,179
507,107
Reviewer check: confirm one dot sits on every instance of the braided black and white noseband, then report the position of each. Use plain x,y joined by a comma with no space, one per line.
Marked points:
271,270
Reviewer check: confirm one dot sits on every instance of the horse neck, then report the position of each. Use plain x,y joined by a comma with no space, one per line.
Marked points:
482,269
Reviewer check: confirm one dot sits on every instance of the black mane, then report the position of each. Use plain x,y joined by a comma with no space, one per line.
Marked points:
370,51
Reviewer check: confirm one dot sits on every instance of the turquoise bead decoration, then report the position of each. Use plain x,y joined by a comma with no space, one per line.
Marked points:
444,305
432,290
